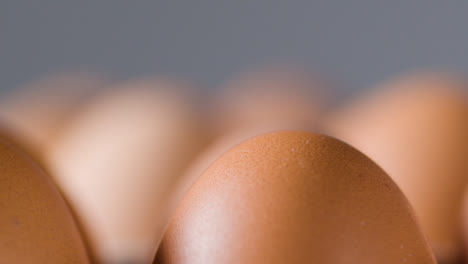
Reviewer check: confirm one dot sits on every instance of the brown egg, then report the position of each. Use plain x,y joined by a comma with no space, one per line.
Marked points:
120,160
37,111
260,101
294,197
36,225
416,128
269,99
464,223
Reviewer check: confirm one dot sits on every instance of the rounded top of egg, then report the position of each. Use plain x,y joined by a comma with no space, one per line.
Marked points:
294,197
268,99
416,128
35,224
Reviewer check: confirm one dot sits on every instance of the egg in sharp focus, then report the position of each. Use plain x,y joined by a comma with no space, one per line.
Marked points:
416,128
37,111
36,225
294,197
119,161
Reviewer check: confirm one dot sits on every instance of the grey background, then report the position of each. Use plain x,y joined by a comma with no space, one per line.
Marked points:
358,43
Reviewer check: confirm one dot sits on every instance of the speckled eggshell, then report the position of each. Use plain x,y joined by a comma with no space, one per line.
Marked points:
416,128
294,197
36,225
120,161
259,101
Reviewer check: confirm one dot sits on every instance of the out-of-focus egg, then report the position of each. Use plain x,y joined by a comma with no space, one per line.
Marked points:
36,225
37,111
269,99
416,128
294,197
120,160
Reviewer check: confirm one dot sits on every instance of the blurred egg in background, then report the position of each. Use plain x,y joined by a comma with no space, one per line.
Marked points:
269,98
119,160
36,112
416,127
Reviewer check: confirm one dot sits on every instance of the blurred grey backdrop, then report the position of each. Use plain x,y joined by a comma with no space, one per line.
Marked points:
358,43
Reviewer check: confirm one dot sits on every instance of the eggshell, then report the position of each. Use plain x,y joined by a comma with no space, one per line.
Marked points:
119,162
416,128
294,197
259,101
36,225
37,111
464,225
267,99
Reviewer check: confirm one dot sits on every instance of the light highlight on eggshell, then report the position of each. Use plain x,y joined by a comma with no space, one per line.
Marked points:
120,161
416,128
36,225
37,111
294,197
